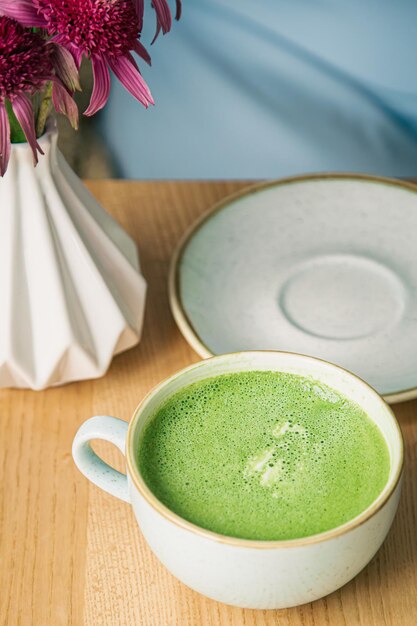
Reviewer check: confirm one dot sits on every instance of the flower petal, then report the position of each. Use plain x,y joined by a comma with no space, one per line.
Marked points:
4,139
163,14
65,67
22,108
142,52
76,52
101,88
164,17
129,75
22,11
158,30
140,9
64,103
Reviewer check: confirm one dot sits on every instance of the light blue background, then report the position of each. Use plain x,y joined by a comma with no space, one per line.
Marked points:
266,88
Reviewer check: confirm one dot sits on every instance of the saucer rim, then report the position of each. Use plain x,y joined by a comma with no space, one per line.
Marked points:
181,318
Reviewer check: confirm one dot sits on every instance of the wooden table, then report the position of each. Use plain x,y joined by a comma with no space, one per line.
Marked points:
71,554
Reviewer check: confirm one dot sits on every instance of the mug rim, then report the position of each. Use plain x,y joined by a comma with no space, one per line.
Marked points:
141,486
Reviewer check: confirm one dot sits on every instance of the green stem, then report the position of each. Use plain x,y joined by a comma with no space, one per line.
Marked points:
44,110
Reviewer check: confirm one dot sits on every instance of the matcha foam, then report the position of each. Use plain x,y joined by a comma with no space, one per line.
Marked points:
263,455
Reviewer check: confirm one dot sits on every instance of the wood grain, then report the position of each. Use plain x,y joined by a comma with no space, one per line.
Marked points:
72,555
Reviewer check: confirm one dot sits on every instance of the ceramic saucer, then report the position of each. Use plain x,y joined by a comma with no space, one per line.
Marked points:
323,265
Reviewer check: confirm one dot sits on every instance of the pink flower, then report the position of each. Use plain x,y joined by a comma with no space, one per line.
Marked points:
163,15
27,63
106,31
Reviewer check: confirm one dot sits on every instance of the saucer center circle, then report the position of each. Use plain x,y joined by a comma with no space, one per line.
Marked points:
342,296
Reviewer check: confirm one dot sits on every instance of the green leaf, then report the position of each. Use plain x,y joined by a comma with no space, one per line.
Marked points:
16,133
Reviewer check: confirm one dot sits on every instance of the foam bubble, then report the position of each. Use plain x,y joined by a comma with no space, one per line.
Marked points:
263,455
322,391
272,474
258,462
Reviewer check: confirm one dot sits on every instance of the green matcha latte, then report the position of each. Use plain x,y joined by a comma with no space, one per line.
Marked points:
263,455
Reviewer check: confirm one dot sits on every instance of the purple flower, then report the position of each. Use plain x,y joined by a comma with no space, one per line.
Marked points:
27,64
163,15
105,31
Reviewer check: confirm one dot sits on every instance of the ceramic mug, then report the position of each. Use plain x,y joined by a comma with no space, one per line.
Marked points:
248,573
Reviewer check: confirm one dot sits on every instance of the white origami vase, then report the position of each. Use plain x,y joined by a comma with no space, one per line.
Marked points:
71,292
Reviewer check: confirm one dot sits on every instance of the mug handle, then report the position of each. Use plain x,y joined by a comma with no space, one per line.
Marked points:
92,466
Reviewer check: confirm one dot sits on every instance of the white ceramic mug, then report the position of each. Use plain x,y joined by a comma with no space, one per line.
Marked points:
247,573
